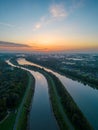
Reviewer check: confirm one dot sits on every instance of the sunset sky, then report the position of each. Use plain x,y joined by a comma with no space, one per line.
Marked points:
48,25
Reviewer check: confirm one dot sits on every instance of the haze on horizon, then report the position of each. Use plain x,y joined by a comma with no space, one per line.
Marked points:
48,25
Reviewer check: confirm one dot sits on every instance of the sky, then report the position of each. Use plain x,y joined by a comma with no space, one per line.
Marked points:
48,25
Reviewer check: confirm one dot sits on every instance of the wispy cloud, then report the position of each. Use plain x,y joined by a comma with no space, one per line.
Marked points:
57,12
6,24
37,26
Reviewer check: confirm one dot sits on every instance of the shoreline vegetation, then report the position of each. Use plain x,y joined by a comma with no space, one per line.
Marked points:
12,89
59,116
18,115
70,108
70,74
22,123
74,114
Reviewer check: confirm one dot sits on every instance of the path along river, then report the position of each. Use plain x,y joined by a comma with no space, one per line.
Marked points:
85,96
41,115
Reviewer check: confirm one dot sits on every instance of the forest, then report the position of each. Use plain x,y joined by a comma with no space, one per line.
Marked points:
81,67
12,88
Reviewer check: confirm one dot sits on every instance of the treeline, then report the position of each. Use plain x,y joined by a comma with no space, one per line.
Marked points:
85,74
12,87
86,79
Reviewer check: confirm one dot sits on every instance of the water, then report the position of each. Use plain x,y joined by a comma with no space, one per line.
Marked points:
41,115
85,97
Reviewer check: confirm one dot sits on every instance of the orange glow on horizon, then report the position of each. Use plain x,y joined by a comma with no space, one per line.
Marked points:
51,47
52,44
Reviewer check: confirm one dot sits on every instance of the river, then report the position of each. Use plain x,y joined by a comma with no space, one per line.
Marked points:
85,96
41,114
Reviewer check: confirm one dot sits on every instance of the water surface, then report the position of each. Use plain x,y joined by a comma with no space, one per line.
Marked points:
41,116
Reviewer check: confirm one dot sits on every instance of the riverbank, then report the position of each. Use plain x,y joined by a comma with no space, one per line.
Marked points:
13,87
56,106
85,79
22,116
49,114
70,108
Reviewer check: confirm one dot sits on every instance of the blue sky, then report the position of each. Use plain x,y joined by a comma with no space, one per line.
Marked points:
50,22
